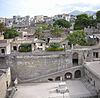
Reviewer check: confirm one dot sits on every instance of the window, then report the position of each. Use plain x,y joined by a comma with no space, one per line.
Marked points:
14,48
41,44
75,59
95,54
2,50
34,44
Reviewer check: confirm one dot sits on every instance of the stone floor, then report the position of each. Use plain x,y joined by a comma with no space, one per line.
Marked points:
43,90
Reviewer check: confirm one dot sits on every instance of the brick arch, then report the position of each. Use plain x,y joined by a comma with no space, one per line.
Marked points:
68,75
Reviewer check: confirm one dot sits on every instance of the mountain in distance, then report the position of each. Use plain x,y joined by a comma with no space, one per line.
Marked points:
76,12
90,12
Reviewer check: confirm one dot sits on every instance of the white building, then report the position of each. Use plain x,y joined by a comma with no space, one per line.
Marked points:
5,46
67,17
39,18
2,20
19,21
9,22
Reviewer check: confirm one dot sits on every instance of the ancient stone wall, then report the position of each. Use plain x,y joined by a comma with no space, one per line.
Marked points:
3,63
3,86
31,65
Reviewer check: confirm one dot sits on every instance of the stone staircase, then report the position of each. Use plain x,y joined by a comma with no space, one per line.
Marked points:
38,77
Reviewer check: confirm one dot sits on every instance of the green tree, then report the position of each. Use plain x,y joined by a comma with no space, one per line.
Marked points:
62,23
93,22
26,47
77,37
10,33
82,21
2,28
56,31
54,45
39,32
44,27
98,16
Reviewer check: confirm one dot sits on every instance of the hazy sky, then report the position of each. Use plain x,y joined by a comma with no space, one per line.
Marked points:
8,8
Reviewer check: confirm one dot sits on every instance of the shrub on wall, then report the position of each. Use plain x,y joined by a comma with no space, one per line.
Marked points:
54,49
25,47
54,45
25,50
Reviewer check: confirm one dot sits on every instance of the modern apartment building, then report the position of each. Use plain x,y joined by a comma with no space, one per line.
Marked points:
9,22
39,18
67,17
19,21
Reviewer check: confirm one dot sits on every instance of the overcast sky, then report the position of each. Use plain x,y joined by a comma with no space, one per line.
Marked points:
8,8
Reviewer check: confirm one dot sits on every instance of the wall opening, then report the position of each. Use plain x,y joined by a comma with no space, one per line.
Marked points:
7,84
75,59
48,40
41,44
50,79
2,50
57,78
95,54
77,74
68,75
14,48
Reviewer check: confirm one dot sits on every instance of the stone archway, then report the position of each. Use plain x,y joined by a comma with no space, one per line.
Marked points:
68,75
75,58
57,78
77,74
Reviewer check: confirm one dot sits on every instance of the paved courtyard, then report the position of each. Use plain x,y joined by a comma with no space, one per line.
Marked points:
44,90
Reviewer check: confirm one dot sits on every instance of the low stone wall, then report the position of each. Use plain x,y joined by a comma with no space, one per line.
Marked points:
3,86
12,92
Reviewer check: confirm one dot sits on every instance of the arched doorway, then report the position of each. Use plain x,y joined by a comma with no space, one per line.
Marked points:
75,59
68,75
50,79
57,78
77,74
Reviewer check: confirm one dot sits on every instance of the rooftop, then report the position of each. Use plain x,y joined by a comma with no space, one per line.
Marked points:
2,71
94,67
3,45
